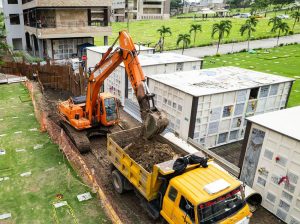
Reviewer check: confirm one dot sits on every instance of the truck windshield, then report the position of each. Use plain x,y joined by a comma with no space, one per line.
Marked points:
111,110
220,208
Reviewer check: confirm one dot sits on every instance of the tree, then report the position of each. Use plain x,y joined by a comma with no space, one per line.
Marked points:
163,32
195,28
296,16
175,4
279,26
249,27
185,39
221,29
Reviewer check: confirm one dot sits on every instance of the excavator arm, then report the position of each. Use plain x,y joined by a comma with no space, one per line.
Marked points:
154,121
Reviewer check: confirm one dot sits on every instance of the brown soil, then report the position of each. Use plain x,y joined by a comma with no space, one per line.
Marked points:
148,153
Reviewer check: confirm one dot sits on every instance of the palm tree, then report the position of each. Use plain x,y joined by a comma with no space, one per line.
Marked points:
185,39
221,29
280,26
195,28
296,16
249,27
163,32
274,20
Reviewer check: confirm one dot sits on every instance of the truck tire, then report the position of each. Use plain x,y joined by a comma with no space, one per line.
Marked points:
118,181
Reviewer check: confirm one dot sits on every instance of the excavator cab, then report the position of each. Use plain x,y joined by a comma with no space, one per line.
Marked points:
109,111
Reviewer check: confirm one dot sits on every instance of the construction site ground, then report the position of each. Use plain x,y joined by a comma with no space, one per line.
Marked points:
127,206
33,172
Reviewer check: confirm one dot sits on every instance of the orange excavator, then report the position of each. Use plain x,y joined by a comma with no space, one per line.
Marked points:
94,113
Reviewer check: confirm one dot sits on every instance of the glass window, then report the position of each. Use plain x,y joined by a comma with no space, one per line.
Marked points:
220,208
233,135
172,193
239,109
12,1
14,19
187,208
111,109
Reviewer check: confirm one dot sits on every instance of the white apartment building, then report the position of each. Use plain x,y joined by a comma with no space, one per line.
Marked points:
14,23
56,29
140,9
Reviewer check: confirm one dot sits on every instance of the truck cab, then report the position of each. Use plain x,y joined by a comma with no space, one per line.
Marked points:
205,195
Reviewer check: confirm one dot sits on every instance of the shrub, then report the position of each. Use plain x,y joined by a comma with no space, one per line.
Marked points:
218,55
291,32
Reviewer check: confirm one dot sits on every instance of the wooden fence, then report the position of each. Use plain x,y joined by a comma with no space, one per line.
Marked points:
60,77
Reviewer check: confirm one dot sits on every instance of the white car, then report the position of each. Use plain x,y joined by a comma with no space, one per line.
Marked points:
245,15
283,16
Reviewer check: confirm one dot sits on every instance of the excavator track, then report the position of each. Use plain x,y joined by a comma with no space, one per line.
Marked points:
79,138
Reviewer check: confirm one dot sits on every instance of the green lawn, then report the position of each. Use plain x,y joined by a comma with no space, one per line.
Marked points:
29,199
146,31
284,61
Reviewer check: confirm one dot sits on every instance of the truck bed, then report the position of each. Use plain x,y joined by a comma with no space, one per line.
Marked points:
145,180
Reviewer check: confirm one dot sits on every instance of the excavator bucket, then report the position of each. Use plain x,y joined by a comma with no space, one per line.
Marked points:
155,123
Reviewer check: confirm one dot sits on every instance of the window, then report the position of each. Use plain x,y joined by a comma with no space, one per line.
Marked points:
14,19
213,127
172,193
17,44
12,1
187,207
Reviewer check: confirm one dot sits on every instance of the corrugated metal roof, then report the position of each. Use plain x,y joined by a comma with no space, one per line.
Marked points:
286,121
192,183
217,80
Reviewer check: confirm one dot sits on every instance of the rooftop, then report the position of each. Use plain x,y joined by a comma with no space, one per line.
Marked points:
217,80
286,121
193,183
103,49
164,58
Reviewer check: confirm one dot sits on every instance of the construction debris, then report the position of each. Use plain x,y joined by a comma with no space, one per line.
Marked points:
5,216
20,150
2,152
60,204
84,197
26,174
3,178
38,146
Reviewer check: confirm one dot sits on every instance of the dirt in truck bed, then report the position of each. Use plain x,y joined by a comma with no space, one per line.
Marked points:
148,153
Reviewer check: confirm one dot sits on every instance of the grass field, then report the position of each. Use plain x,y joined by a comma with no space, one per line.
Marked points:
146,31
284,61
29,198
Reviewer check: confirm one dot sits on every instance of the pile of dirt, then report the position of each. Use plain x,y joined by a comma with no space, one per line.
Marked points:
148,153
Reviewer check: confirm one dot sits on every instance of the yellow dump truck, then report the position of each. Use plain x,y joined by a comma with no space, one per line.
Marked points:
200,193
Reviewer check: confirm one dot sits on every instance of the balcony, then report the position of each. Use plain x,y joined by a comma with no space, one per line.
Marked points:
27,4
68,30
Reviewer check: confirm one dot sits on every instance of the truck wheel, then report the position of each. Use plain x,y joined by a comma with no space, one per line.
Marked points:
118,181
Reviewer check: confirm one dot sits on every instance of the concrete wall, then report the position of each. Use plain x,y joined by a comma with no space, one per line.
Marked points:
14,31
70,17
282,199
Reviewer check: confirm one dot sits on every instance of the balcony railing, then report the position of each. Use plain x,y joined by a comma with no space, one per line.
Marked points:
40,25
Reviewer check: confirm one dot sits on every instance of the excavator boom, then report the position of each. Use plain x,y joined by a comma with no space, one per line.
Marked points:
154,121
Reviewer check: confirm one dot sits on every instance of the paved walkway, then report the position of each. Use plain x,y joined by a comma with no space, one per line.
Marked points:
236,47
